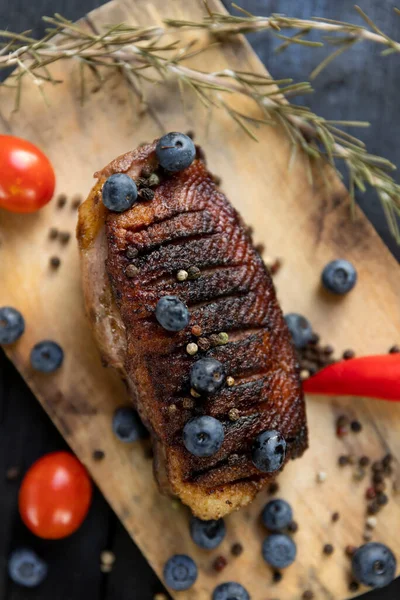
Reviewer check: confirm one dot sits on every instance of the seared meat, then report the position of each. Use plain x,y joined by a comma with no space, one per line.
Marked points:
129,261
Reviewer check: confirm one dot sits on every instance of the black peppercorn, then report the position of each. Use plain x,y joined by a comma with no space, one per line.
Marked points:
98,455
356,426
328,549
277,576
55,262
146,194
237,549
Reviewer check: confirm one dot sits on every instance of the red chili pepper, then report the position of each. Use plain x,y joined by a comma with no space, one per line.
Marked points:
367,376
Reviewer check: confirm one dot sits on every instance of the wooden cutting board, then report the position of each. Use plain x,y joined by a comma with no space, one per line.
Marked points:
306,225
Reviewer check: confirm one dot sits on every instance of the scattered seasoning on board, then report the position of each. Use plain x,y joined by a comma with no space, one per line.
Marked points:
260,248
194,393
364,461
335,517
321,477
370,494
107,557
196,329
353,586
328,549
277,576
371,522
359,474
308,595
61,200
230,381
53,233
188,403
153,180
382,499
204,344
172,409
220,563
273,488
98,455
147,171
233,414
193,272
394,349
146,194
350,550
348,354
237,549
160,597
13,473
55,262
192,348
64,237
131,271
352,459
343,460
356,426
367,536
182,275
76,202
276,266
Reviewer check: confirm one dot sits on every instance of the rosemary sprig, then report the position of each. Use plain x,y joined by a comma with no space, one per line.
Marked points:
146,55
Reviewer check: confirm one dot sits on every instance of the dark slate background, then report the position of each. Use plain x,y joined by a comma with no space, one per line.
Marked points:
359,85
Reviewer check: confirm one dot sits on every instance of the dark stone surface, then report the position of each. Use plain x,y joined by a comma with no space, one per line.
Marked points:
360,85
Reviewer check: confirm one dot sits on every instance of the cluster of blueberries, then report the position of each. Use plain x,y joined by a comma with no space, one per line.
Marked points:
373,564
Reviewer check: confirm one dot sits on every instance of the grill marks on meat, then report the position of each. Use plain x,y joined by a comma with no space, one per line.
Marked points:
190,223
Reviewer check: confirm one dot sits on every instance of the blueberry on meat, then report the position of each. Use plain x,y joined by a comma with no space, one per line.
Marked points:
47,356
207,376
269,451
26,568
12,325
119,192
207,534
277,515
279,550
300,329
175,152
172,314
339,276
374,565
230,591
127,425
203,436
180,572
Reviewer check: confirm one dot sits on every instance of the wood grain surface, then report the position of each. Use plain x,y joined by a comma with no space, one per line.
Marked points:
307,225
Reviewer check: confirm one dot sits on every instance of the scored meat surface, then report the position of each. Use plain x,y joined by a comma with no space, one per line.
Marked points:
129,261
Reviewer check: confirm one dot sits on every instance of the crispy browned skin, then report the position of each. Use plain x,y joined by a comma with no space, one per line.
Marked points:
191,223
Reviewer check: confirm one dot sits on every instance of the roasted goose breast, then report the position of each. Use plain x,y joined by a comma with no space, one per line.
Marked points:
129,261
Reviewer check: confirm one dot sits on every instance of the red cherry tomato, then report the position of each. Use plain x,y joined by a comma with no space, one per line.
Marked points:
27,178
55,496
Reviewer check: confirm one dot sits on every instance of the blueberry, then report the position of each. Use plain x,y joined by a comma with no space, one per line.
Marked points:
374,565
230,591
207,376
12,325
276,515
269,450
339,276
279,550
26,568
180,572
127,425
203,436
300,329
175,151
119,192
47,356
172,313
207,534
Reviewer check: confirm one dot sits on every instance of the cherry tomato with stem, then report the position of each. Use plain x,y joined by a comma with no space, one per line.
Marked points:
55,496
27,178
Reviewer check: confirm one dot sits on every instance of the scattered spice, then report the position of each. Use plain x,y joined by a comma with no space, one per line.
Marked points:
377,478
131,271
377,467
172,409
359,474
387,460
394,349
370,494
293,527
204,344
182,275
380,487
277,576
321,476
371,522
335,517
223,338
353,586
147,170
64,237
131,252
276,266
350,550
107,557
308,595
12,473
76,202
343,460
260,248
328,350
153,180
160,597
220,563
382,499
193,272
356,426
196,330
61,200
234,414
105,568
53,233
273,488
373,508
328,549
352,459
230,381
237,549
188,403
194,393
233,459
367,536
304,374
55,262
98,455
192,348
146,194
348,354
364,461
